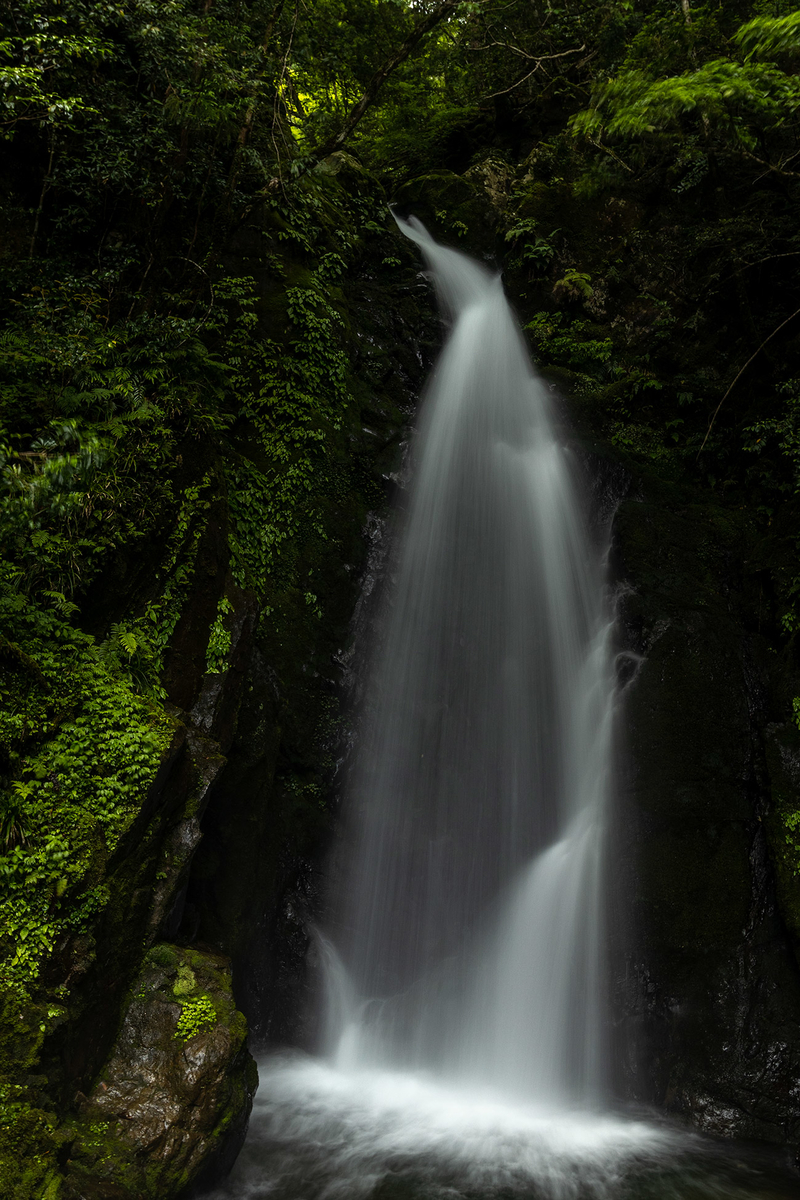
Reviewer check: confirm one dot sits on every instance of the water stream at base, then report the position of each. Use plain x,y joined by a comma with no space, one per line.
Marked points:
466,1054
320,1133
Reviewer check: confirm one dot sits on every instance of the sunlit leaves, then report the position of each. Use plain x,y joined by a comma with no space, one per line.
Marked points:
735,103
726,92
769,37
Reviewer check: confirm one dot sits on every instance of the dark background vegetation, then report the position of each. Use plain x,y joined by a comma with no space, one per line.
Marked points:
210,333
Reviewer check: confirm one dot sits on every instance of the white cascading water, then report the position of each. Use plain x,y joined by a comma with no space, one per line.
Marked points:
470,917
466,1020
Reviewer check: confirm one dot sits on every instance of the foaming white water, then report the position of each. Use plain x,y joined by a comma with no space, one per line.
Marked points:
318,1132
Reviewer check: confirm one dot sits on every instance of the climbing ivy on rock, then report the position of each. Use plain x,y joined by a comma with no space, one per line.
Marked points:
83,747
298,401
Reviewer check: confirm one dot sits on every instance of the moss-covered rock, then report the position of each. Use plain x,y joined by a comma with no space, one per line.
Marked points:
171,1104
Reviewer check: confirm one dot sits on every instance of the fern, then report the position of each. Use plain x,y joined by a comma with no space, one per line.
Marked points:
63,606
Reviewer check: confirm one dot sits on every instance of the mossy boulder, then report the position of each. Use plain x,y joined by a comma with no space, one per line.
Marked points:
171,1104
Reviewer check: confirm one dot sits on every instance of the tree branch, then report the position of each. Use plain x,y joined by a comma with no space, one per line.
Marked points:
45,186
762,162
607,150
539,61
741,373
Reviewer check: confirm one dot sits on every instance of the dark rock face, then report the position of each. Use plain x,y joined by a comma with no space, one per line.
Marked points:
255,886
172,1103
709,998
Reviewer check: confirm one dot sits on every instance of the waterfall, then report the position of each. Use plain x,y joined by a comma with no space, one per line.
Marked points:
465,1052
469,916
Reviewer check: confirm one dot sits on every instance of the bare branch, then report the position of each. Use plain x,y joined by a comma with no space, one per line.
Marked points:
741,373
524,53
48,178
607,150
543,58
762,162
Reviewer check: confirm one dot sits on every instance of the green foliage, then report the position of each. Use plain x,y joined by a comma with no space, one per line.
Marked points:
738,103
737,99
73,488
219,639
197,1014
295,396
12,815
576,284
133,653
768,37
782,431
82,747
570,342
531,246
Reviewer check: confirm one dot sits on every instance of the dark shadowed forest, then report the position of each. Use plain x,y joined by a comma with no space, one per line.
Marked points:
212,341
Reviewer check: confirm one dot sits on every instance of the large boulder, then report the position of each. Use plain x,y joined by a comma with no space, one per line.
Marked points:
169,1110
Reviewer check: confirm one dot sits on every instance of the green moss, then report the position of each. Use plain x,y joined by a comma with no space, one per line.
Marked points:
84,748
186,982
165,956
29,1142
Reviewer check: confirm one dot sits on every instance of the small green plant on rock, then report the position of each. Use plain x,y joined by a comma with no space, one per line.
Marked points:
219,640
196,1015
530,246
574,285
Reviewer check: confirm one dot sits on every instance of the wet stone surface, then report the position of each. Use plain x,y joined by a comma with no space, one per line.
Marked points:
172,1102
